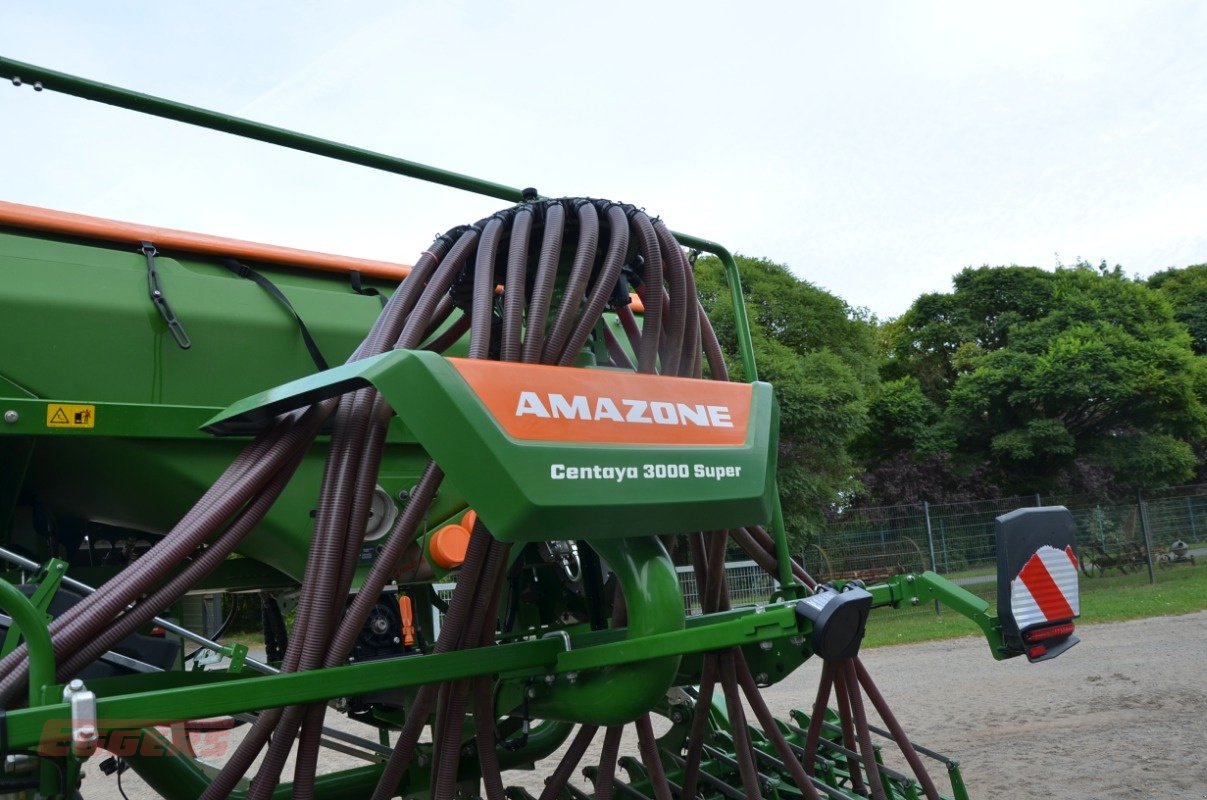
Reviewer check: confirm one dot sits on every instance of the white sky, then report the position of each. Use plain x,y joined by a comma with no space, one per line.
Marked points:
875,148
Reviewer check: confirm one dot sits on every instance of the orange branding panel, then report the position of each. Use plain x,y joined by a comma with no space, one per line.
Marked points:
563,404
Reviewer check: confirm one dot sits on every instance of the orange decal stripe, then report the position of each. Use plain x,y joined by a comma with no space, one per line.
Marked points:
559,404
62,222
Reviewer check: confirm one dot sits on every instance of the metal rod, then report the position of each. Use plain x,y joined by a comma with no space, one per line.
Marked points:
1148,543
734,279
140,666
930,538
37,639
248,129
167,625
21,72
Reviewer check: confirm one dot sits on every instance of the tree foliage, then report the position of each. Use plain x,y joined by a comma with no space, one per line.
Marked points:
1079,379
821,359
1186,290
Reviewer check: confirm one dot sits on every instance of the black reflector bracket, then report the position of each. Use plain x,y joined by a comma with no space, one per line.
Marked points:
1037,591
838,618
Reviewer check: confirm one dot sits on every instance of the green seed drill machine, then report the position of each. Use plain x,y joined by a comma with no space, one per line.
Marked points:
537,410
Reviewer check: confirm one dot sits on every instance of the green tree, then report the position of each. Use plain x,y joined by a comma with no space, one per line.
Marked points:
1079,380
820,355
1186,290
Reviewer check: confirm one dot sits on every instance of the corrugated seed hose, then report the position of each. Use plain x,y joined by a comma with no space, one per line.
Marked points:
542,318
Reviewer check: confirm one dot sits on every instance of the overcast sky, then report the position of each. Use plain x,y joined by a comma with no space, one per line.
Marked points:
875,148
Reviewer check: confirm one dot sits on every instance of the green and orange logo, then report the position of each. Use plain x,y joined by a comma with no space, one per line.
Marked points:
543,403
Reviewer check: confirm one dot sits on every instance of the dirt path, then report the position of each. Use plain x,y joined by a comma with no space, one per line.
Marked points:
1122,715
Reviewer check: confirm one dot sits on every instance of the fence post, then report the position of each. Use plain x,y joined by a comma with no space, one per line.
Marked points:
930,540
1148,545
1194,535
1038,502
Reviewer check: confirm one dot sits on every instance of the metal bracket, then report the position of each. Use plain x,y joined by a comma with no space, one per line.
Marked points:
160,300
84,733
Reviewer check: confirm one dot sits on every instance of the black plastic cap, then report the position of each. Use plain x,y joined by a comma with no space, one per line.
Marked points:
839,620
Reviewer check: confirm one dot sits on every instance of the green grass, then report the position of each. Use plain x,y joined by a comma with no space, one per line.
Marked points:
1178,590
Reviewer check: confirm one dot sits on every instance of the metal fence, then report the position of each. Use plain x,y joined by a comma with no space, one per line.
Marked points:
957,540
747,583
1151,529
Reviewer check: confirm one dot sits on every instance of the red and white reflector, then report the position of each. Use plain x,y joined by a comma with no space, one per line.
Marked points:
1045,589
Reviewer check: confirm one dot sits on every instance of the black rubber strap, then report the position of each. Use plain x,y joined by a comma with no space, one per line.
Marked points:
360,288
244,271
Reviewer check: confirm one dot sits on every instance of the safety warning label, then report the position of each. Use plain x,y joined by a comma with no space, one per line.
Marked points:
67,415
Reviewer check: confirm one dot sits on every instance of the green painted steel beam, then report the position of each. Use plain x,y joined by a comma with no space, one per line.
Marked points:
145,709
32,624
248,129
124,420
769,622
925,587
217,694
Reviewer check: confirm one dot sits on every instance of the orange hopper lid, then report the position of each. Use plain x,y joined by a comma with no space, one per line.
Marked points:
448,545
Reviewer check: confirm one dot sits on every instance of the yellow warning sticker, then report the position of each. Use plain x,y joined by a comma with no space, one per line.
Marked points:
66,415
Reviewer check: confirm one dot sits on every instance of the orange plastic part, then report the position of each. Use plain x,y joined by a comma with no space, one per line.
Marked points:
408,620
62,222
447,546
469,520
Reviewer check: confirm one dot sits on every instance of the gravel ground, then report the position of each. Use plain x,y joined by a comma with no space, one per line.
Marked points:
1122,715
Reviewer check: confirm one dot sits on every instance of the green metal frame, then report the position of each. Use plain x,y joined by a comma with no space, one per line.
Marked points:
915,589
508,481
141,703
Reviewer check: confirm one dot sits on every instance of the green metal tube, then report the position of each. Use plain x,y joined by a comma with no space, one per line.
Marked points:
32,625
37,639
193,115
734,279
618,695
783,558
249,129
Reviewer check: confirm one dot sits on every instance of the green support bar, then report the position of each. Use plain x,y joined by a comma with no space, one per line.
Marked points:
32,624
927,586
127,420
249,129
734,278
218,694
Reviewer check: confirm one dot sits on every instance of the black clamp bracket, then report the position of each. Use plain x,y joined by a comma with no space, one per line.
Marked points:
160,300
